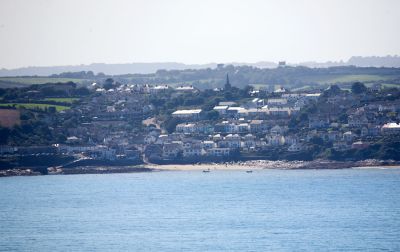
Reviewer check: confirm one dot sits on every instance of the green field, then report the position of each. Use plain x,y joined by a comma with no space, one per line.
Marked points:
346,78
390,85
37,80
64,100
35,106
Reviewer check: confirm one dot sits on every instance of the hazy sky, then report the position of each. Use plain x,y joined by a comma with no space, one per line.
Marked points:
71,32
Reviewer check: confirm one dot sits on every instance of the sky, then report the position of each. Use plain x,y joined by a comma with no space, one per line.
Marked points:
73,32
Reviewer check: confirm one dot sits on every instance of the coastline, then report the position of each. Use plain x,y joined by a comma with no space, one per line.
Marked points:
252,165
280,164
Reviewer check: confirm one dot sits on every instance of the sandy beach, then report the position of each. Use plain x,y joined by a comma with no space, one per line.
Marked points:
252,165
266,164
201,167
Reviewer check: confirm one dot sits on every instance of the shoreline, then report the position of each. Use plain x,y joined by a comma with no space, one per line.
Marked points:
281,165
252,165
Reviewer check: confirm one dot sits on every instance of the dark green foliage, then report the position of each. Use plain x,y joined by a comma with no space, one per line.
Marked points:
332,91
343,118
211,115
82,91
210,103
317,141
52,110
108,84
298,122
75,75
38,93
4,135
240,76
170,124
358,88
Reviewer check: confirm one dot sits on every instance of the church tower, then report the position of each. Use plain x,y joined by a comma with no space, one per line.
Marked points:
227,84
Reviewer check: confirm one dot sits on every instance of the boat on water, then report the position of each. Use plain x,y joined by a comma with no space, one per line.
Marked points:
208,170
249,171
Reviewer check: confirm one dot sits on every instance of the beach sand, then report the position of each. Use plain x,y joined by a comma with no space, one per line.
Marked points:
201,167
266,164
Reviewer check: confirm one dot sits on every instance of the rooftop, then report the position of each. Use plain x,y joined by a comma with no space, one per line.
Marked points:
220,107
226,103
187,112
313,95
391,126
184,88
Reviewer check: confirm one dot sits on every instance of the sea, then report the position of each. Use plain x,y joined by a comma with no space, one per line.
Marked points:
266,210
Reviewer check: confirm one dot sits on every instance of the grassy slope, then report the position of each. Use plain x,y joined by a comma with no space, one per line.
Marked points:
330,79
18,82
320,79
65,100
34,105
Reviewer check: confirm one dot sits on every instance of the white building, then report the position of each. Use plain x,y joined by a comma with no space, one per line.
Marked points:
186,89
221,109
277,101
208,144
391,129
218,152
295,147
187,114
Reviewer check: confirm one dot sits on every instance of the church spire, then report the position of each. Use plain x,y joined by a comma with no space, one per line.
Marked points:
227,84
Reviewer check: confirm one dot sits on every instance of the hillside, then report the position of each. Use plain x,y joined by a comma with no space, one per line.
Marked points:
291,77
148,68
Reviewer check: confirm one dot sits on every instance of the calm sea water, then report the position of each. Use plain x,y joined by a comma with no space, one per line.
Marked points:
271,210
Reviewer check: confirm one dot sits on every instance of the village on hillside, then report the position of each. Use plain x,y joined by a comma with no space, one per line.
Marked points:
126,124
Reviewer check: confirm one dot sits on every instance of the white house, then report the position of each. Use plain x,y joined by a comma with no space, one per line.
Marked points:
296,147
221,109
276,130
348,136
171,150
187,114
277,102
276,140
208,144
186,89
391,129
249,141
218,152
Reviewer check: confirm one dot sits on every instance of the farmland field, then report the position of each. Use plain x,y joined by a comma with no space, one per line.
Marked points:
37,80
331,79
65,100
34,106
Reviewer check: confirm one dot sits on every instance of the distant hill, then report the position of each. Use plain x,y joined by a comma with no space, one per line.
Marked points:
147,68
292,77
111,69
118,69
373,61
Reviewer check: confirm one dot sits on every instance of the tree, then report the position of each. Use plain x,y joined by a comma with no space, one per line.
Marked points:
332,91
212,115
358,88
108,83
170,124
4,134
317,140
82,91
52,110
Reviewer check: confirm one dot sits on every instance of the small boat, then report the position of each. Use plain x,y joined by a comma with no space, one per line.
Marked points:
208,170
249,171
